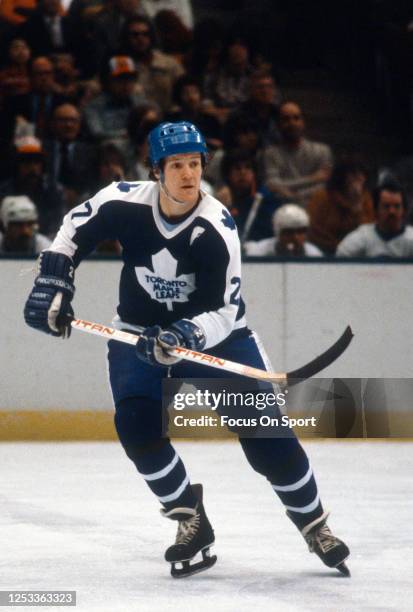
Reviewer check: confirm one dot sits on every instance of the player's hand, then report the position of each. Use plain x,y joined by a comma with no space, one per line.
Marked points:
155,344
48,307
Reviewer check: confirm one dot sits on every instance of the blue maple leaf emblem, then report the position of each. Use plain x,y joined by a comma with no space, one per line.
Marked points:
126,187
228,221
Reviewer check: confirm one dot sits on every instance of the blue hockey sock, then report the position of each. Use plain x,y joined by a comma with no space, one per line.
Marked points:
166,476
138,421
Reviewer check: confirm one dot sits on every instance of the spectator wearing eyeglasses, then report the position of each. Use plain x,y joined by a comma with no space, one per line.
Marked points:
108,24
157,71
69,160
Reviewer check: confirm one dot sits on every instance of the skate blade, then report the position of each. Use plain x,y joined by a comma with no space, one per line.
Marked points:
343,569
189,569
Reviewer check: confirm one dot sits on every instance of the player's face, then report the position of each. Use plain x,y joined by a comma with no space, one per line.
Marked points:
183,176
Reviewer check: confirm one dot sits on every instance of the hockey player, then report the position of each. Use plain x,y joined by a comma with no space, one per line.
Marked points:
181,281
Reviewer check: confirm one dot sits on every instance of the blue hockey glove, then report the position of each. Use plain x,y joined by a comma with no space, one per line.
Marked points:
48,306
155,343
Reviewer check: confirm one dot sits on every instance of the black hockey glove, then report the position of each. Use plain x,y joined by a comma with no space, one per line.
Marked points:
155,343
48,306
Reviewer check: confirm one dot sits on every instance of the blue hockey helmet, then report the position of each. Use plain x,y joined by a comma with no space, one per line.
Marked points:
174,138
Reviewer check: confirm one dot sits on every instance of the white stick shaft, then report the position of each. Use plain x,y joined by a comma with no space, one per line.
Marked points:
194,356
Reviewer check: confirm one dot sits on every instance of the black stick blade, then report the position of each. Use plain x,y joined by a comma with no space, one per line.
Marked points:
325,359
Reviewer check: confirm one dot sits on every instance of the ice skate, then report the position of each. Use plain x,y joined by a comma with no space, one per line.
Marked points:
195,535
331,550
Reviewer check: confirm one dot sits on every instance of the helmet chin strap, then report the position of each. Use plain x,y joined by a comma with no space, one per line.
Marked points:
166,193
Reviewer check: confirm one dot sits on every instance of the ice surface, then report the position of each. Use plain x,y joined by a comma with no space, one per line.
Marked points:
77,516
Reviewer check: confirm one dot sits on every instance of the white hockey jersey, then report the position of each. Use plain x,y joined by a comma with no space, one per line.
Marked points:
189,270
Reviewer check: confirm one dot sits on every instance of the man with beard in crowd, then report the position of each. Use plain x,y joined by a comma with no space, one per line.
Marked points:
389,236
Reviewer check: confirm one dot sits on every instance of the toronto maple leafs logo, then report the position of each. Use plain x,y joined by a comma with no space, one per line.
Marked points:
162,283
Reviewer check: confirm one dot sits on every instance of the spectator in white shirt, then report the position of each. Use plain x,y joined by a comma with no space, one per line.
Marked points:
290,225
389,236
19,217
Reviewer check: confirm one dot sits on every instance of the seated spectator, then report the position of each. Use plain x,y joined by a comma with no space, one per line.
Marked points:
296,167
241,132
106,116
141,121
35,107
18,215
188,98
341,207
262,104
290,225
66,77
111,166
69,161
108,27
157,71
389,236
47,30
14,75
251,206
230,86
29,179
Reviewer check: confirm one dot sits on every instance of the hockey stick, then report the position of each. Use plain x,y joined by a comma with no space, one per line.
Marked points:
291,378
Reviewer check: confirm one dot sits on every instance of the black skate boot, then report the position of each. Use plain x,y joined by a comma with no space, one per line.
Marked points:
194,535
332,551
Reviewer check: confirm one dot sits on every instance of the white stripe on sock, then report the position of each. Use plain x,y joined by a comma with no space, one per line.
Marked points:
175,494
296,485
164,471
308,508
